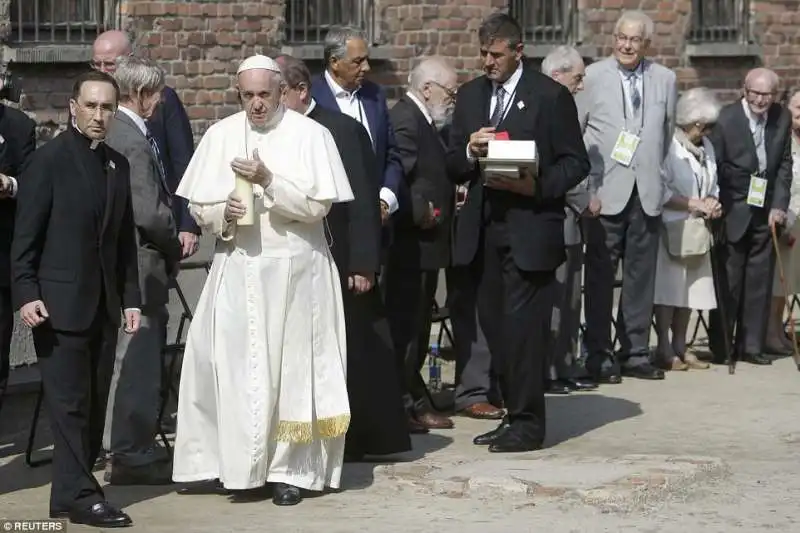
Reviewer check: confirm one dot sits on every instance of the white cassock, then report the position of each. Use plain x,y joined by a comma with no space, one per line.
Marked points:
263,393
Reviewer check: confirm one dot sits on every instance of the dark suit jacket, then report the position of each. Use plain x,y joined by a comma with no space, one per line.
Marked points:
68,249
535,224
423,156
172,131
355,226
737,161
17,143
376,110
159,249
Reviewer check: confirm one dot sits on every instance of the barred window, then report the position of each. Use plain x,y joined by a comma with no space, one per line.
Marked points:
720,21
545,21
308,21
56,21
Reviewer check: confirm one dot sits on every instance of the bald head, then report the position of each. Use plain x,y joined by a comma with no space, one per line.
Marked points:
432,70
434,83
108,47
760,89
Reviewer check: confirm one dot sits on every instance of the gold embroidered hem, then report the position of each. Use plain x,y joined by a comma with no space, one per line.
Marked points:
303,432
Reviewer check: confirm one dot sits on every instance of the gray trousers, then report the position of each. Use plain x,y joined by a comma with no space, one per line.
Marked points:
567,317
135,397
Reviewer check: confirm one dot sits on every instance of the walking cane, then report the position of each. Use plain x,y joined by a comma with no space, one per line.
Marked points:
795,350
722,303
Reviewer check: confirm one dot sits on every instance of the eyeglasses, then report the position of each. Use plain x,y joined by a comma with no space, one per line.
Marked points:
451,93
622,38
100,65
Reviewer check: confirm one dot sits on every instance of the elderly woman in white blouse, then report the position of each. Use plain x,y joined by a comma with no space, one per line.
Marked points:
683,273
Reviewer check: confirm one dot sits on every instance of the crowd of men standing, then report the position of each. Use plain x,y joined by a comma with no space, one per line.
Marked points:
624,164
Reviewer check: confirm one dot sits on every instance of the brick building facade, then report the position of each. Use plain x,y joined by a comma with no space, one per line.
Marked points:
707,42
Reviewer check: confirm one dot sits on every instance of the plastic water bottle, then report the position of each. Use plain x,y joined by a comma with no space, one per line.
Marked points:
434,368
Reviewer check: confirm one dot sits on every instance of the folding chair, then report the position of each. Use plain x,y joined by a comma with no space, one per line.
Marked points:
173,353
37,410
440,316
701,321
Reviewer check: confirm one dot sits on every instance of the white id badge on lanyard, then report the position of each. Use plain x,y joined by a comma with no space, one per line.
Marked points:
625,148
757,193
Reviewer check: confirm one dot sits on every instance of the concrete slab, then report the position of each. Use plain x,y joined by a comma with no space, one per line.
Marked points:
620,484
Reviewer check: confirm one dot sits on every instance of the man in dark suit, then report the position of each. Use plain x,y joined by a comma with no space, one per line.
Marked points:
169,126
753,146
422,225
511,230
377,419
565,65
17,143
74,271
135,397
343,87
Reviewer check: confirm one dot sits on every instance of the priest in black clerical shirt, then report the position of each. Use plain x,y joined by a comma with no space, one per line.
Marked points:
74,275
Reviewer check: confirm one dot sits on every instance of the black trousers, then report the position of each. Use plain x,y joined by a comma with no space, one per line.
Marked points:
631,236
746,268
76,370
515,309
6,330
409,306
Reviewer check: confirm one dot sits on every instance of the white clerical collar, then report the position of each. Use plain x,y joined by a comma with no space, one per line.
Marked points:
139,121
337,89
510,85
421,106
310,107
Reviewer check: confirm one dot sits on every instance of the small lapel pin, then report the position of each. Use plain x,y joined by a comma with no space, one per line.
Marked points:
521,105
111,165
2,139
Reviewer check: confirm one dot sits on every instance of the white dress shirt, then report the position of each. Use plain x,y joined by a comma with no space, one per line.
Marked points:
350,104
139,121
632,78
421,107
757,130
510,90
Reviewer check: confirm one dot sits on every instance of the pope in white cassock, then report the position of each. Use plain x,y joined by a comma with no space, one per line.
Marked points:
263,395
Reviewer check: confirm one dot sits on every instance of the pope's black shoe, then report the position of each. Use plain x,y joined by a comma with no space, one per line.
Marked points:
283,494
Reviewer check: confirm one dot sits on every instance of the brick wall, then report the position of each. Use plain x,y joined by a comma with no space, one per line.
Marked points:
200,43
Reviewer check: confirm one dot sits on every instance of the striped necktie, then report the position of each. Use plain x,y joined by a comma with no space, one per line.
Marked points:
161,170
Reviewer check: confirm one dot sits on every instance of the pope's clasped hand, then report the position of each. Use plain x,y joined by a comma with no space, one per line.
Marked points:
234,208
253,170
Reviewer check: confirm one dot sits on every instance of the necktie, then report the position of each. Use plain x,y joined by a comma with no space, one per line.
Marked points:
157,153
758,140
499,107
636,97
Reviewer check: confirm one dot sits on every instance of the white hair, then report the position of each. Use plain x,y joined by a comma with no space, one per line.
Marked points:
697,106
138,75
562,59
637,17
431,69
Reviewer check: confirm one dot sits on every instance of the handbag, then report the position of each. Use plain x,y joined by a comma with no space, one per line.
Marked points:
687,238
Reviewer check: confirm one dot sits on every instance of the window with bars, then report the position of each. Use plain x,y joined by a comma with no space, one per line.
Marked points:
720,21
308,21
56,21
545,21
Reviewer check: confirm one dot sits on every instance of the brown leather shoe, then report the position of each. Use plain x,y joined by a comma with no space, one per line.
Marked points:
415,427
482,411
432,420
